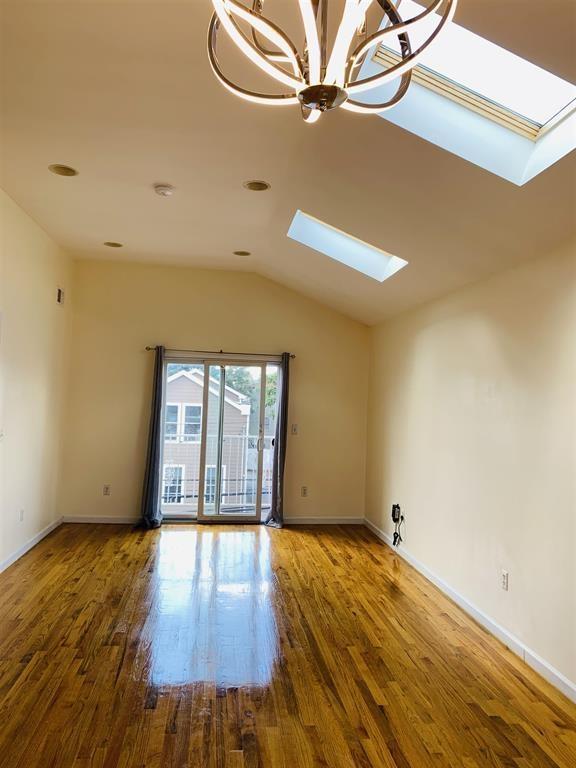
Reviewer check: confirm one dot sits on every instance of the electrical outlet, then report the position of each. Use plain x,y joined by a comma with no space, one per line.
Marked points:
304,491
106,490
294,429
504,580
21,515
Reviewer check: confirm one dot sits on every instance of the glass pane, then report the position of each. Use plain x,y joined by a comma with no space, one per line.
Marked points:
172,491
212,441
270,417
241,424
210,485
182,429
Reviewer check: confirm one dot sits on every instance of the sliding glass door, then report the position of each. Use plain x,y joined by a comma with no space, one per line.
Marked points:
182,435
233,444
219,424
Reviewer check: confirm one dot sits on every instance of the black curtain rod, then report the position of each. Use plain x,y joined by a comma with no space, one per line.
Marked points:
218,352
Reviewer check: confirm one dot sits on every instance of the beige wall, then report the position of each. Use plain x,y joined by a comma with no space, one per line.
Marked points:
472,429
121,308
33,346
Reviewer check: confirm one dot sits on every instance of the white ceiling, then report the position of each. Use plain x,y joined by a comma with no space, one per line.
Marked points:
123,92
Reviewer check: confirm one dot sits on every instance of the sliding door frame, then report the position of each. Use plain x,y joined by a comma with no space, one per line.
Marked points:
222,360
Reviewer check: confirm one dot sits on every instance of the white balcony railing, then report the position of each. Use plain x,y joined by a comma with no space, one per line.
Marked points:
181,438
238,476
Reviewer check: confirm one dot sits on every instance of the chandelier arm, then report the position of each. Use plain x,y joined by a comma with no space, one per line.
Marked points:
271,31
375,109
257,7
312,41
256,98
354,12
224,10
322,17
397,26
271,55
359,55
407,63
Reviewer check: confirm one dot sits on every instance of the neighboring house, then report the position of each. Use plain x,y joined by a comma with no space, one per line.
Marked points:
182,435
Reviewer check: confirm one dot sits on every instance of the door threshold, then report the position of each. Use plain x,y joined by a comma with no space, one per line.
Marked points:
229,521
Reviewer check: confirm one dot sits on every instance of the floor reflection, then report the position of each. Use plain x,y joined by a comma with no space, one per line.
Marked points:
212,617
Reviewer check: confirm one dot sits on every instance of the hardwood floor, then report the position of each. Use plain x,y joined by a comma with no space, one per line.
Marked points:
228,647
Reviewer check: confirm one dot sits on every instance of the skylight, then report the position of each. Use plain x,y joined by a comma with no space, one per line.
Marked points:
494,73
481,102
346,249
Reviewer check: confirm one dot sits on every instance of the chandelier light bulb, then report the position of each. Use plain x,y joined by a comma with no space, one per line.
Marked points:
319,79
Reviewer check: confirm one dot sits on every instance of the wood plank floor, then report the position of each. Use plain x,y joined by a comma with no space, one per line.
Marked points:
228,647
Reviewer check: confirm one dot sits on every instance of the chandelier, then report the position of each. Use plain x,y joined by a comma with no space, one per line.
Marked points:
314,77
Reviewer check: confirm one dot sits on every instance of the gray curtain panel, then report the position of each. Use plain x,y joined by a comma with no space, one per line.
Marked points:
276,518
151,514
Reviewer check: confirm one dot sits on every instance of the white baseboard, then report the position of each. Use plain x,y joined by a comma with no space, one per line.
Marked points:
556,678
102,519
323,521
29,544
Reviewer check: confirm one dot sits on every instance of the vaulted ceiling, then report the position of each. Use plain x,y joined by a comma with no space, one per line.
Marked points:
123,92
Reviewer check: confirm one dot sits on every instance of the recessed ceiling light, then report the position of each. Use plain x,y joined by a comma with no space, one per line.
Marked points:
242,253
112,244
62,170
164,190
256,185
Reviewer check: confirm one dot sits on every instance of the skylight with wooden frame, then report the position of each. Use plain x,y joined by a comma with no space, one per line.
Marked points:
464,81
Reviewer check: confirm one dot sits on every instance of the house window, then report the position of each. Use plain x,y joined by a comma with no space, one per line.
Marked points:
171,422
192,422
183,423
210,483
172,484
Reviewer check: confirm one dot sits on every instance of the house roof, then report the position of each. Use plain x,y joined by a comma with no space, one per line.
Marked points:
234,398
